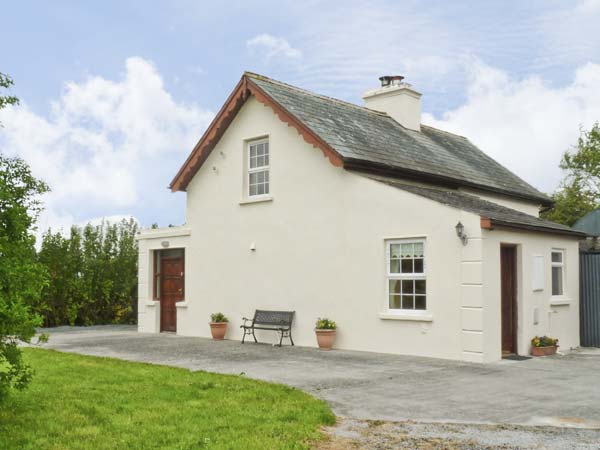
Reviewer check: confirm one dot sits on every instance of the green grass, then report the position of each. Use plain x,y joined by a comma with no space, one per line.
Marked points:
83,402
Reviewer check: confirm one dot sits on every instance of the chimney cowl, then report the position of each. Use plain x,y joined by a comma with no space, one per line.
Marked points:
390,80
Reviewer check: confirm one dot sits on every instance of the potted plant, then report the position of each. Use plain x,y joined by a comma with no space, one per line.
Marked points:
325,330
543,346
218,325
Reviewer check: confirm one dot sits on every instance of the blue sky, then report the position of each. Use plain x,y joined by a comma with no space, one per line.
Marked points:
115,94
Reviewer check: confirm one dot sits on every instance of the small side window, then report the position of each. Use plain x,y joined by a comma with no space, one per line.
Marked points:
558,272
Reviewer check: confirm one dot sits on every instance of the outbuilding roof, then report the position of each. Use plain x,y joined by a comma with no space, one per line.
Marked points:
590,223
358,137
492,214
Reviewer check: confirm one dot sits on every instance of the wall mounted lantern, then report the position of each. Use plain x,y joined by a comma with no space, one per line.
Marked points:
460,232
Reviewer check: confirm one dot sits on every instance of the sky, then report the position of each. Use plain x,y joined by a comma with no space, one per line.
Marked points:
115,94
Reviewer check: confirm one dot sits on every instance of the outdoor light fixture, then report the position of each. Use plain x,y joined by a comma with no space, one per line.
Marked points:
460,232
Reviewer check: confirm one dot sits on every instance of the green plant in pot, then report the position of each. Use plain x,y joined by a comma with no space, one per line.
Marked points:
543,346
325,329
218,325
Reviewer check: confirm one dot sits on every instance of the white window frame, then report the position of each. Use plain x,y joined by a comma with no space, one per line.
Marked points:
266,168
560,264
405,276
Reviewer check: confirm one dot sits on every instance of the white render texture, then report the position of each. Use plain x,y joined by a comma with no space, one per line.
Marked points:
319,244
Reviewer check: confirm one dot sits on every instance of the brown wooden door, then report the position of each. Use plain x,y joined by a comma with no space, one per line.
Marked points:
171,291
508,270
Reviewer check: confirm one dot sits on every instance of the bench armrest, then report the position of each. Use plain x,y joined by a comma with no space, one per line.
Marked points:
246,320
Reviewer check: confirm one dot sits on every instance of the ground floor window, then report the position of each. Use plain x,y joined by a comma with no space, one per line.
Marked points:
406,279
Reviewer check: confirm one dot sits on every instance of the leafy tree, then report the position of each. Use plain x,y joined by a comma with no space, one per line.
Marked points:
571,202
22,277
6,82
93,275
579,192
583,165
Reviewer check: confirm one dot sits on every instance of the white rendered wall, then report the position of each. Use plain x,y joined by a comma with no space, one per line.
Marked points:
319,247
558,316
528,207
320,250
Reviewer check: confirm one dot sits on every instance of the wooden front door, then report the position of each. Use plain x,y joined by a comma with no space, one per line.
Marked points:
171,291
508,277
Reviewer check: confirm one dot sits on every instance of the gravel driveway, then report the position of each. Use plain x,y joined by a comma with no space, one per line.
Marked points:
559,391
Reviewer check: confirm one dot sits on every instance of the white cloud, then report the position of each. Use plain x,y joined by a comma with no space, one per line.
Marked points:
525,124
104,142
271,47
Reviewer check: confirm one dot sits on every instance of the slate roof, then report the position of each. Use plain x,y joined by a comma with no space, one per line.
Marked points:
499,215
361,135
589,224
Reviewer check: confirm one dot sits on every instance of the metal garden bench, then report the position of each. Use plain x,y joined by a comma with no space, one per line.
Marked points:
279,321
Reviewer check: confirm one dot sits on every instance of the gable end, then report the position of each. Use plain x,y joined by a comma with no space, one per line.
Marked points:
243,90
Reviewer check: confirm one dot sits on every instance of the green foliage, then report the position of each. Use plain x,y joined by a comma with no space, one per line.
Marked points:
218,317
21,276
544,341
579,192
571,202
83,402
6,82
583,165
325,324
93,275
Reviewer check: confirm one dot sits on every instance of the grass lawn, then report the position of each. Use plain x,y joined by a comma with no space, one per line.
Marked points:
84,402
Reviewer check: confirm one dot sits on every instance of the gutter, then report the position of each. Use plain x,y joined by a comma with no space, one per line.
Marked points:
371,167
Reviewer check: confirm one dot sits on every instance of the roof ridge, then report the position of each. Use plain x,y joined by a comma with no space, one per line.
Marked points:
315,94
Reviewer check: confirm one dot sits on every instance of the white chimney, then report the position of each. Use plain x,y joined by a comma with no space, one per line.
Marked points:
398,99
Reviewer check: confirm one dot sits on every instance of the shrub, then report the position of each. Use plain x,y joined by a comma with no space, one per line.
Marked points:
325,324
218,317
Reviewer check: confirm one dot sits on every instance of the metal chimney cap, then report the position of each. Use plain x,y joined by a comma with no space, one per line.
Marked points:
387,80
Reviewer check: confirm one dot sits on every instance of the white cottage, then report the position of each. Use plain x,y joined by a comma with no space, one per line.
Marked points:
411,238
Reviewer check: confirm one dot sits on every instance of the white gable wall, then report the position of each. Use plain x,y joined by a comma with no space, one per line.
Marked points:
319,247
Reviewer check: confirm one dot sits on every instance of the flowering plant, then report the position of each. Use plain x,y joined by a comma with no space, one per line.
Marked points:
544,341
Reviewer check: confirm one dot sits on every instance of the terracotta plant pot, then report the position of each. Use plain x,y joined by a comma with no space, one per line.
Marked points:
543,351
325,338
218,330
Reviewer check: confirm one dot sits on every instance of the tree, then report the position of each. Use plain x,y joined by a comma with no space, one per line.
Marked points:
6,82
583,165
579,192
22,277
93,275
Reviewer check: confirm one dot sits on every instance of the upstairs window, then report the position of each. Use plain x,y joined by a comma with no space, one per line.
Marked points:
258,168
406,280
558,269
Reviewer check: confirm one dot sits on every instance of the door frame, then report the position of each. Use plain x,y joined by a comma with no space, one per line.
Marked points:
161,275
515,299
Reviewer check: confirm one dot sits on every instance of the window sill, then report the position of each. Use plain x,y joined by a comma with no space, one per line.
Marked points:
258,199
420,317
152,303
182,304
559,301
